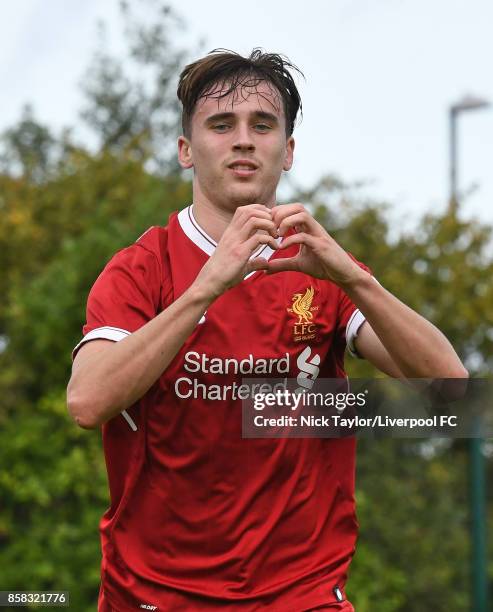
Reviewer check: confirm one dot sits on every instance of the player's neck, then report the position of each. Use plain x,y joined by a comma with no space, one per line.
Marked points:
212,219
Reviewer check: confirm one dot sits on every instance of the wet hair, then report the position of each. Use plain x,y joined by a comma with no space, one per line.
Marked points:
222,72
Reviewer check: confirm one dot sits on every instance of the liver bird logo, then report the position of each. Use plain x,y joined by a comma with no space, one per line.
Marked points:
302,306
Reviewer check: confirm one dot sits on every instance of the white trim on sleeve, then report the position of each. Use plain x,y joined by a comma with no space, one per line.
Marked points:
103,333
108,333
352,328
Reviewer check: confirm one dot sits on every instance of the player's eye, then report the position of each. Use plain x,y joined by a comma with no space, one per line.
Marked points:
220,127
262,127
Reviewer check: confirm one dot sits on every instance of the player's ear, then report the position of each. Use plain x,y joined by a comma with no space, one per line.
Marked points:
288,159
185,153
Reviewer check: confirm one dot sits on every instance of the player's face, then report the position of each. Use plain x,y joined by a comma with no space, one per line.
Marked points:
238,147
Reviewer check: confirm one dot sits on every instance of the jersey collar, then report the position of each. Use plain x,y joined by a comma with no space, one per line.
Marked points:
198,236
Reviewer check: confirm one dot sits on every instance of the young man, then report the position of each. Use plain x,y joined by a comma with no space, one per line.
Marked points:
201,519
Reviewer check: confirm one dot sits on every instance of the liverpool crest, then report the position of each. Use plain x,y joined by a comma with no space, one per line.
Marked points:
304,328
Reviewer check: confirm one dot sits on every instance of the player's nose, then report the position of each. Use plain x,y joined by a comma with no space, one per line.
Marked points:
243,139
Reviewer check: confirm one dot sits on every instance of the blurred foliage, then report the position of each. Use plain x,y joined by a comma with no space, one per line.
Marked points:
31,150
130,101
65,210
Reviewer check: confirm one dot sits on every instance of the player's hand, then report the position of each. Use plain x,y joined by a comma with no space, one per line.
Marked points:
319,254
251,227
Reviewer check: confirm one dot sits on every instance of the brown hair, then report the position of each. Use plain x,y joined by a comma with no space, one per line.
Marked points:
230,71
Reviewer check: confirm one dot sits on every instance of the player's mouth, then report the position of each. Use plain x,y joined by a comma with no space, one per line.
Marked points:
243,167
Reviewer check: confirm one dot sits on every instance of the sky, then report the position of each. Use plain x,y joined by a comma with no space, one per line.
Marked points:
380,77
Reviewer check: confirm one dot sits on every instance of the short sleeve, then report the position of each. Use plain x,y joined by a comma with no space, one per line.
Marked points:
350,318
125,296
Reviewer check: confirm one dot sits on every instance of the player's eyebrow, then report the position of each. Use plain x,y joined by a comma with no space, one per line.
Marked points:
267,116
228,115
219,117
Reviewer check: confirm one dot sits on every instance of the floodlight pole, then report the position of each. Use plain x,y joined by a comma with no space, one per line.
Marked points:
453,158
477,467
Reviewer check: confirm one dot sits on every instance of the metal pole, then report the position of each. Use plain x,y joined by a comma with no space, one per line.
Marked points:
453,203
477,496
478,522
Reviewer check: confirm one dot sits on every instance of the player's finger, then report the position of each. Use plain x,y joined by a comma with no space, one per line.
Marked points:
285,210
239,221
300,238
257,239
301,220
249,207
238,224
283,265
254,224
251,210
259,263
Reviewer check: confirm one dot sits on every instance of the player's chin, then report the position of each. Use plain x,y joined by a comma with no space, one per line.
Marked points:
246,194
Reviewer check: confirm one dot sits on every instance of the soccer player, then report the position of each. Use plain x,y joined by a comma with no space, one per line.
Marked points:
235,285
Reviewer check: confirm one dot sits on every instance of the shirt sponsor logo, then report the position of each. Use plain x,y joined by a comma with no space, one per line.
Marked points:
309,369
304,327
199,388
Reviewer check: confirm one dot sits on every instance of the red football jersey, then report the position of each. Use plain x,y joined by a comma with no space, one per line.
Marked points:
200,518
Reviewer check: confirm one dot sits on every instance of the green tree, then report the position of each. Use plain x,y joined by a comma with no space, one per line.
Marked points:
29,149
130,102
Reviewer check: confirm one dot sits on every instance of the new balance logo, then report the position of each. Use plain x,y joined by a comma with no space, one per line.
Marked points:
202,318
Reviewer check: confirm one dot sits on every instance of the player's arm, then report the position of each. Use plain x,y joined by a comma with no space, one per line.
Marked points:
368,346
397,339
108,377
